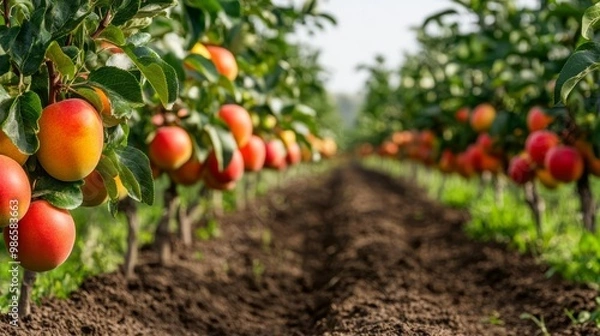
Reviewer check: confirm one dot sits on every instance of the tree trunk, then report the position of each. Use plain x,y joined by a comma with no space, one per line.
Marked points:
184,225
240,194
533,201
499,190
133,226
441,188
217,203
586,199
162,242
25,293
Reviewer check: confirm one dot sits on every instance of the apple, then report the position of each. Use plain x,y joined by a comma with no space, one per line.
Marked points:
45,235
233,172
539,143
224,61
462,115
71,139
254,154
537,119
15,191
170,148
239,122
564,163
275,154
8,148
483,117
521,169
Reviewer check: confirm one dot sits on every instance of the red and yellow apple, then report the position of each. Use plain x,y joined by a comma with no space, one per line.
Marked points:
45,235
231,173
537,119
71,139
239,122
170,148
224,61
539,143
483,117
15,191
521,169
8,148
254,154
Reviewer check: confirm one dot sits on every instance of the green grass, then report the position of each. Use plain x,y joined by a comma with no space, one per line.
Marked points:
565,246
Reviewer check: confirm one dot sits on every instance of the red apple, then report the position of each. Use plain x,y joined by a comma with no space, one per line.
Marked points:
239,122
45,235
233,172
564,163
254,154
275,154
539,143
483,117
170,148
537,119
521,169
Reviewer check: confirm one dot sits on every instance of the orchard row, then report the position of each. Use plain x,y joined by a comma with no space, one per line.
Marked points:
514,93
97,100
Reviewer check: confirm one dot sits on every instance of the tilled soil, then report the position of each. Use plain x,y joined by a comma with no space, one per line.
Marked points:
353,253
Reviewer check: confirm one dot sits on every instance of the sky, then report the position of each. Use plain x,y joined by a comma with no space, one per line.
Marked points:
367,28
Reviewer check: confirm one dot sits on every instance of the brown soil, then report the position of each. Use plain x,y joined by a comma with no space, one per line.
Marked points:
355,253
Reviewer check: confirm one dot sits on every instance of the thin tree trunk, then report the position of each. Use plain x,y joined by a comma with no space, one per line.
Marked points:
25,293
163,235
499,190
240,194
441,188
184,225
588,206
217,203
533,201
133,225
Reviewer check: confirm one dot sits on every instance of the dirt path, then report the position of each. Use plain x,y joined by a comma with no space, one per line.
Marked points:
355,253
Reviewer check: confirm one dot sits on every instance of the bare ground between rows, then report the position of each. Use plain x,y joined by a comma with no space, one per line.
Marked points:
351,253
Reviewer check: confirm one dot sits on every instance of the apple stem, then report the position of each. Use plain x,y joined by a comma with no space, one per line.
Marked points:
533,200
588,206
26,289
53,82
6,6
162,241
133,225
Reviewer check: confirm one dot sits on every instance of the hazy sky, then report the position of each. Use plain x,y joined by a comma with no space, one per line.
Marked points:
366,28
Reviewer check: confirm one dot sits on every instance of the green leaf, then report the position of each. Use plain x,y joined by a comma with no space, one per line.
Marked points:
213,6
63,63
136,175
223,142
232,8
30,45
64,195
19,121
590,21
585,60
202,65
64,16
161,76
108,170
124,10
114,35
119,81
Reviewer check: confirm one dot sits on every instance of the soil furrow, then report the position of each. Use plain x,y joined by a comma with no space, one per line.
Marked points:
352,253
